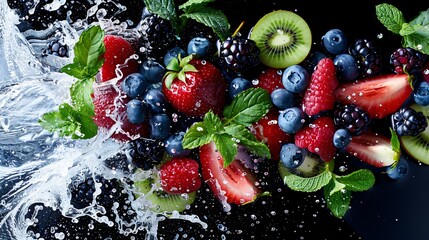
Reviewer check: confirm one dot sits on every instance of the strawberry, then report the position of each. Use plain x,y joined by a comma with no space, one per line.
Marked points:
194,87
118,50
235,182
180,175
373,149
270,79
317,137
268,131
320,94
379,96
105,98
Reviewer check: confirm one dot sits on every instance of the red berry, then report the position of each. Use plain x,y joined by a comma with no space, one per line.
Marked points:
180,175
118,50
320,94
268,131
270,79
317,137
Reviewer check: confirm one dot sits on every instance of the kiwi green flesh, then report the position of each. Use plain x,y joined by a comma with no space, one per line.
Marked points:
311,166
418,146
161,201
283,37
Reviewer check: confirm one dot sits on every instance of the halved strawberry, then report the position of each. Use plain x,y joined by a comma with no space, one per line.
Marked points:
118,50
379,96
180,175
317,137
235,183
270,79
372,148
268,131
320,95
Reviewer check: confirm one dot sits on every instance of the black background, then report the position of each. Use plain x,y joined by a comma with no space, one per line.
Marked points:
388,211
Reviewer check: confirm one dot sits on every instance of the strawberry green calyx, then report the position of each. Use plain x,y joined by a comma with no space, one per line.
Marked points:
262,194
177,69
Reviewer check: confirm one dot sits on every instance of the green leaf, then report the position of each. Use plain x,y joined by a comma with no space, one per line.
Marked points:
53,122
394,141
360,180
248,107
197,135
339,201
212,18
422,19
74,70
212,123
88,53
226,146
419,40
390,16
164,8
80,93
247,139
337,186
406,30
310,184
194,5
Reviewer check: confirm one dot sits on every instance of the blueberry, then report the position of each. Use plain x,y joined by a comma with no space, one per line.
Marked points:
152,71
282,98
174,147
156,100
295,78
421,93
160,126
346,66
342,138
292,156
399,170
199,46
238,85
134,85
335,42
173,53
291,120
136,111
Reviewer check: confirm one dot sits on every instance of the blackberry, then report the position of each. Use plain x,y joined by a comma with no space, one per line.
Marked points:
408,122
57,48
158,37
83,193
239,54
351,117
367,57
405,59
146,153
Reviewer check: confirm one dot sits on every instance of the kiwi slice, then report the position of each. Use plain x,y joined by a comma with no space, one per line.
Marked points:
418,146
283,37
161,201
310,167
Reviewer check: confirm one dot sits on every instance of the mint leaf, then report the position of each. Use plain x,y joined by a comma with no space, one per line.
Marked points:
213,18
339,201
247,139
212,123
406,30
80,93
226,146
54,122
337,186
164,8
197,135
248,106
310,184
422,19
391,17
360,180
394,141
88,54
194,5
419,40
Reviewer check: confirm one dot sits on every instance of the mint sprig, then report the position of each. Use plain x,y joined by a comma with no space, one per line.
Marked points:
337,189
229,132
75,119
198,10
415,34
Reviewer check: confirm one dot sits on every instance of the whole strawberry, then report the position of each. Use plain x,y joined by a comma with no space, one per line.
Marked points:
317,137
118,51
320,94
270,79
180,175
194,87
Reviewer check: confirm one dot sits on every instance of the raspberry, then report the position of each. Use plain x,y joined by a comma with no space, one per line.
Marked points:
320,94
180,175
317,137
